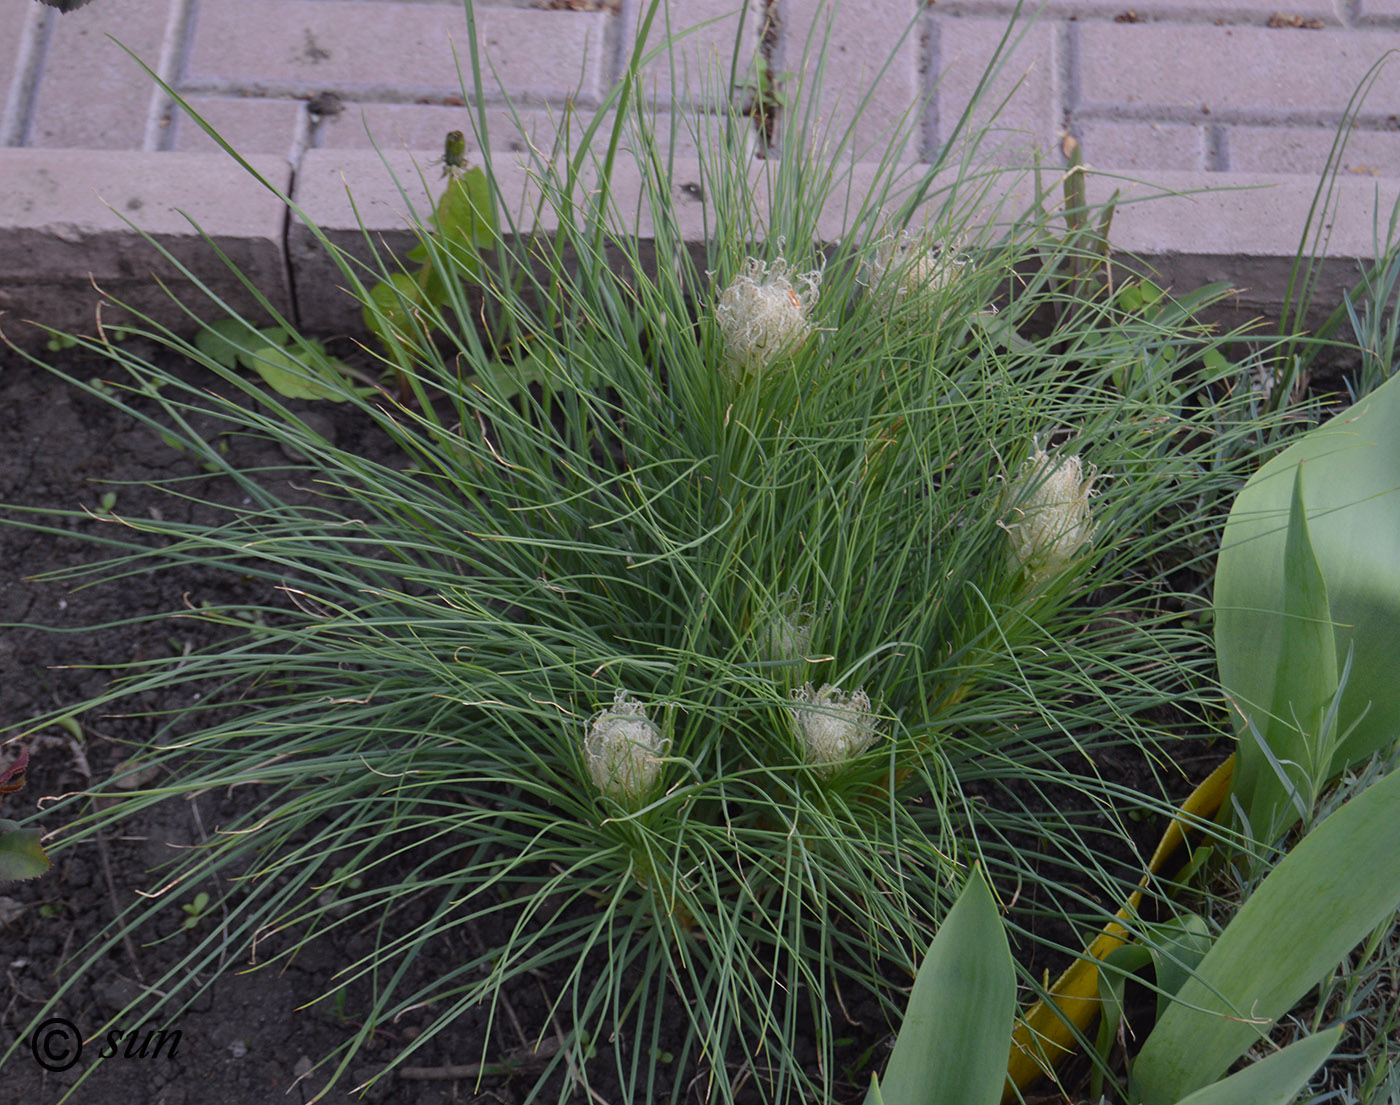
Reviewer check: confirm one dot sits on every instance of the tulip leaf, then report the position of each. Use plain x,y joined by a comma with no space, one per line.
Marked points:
956,1035
1339,883
1281,771
1276,1080
1348,473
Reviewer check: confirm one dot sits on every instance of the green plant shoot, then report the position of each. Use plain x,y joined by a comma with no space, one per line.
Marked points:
1290,579
952,1047
1324,897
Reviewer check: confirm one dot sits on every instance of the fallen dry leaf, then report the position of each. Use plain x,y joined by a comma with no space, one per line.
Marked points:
1278,19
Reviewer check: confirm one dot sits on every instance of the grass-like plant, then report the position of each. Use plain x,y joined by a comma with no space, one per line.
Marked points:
716,613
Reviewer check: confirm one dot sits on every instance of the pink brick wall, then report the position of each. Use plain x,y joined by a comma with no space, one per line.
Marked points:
1203,85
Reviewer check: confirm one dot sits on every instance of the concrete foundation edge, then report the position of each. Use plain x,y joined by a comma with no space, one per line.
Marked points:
84,232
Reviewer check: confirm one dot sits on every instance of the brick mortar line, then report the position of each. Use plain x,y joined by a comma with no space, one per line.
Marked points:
23,93
425,95
174,52
1371,25
937,61
1215,157
929,59
1206,15
1362,25
615,48
1065,45
1073,109
1370,122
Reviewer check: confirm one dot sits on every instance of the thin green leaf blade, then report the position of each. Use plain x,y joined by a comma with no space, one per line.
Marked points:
1328,894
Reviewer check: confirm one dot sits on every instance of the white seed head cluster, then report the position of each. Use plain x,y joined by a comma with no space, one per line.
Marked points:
1050,517
786,637
763,315
832,726
624,749
905,267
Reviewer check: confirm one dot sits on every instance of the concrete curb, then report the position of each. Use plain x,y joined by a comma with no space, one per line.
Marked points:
1227,104
83,226
73,224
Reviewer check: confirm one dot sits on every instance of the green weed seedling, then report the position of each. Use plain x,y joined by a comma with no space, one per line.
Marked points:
194,910
400,309
299,368
21,856
764,97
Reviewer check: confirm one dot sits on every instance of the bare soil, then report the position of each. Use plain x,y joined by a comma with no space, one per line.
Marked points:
248,1037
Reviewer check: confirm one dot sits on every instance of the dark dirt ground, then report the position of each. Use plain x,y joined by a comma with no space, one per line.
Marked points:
247,1038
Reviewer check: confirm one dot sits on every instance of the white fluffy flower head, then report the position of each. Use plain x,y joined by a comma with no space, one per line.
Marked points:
785,637
832,726
906,267
624,749
1050,517
763,315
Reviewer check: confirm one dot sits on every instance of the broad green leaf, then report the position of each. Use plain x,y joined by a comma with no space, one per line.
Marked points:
1001,332
1351,485
1174,948
1178,946
465,220
465,215
1113,981
223,341
310,377
217,341
873,1096
21,856
1305,683
509,379
390,305
1130,298
1276,1080
1215,360
1324,897
952,1047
